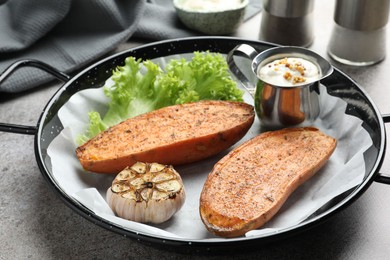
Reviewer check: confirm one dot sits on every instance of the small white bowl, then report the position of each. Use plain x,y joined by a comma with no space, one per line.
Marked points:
223,20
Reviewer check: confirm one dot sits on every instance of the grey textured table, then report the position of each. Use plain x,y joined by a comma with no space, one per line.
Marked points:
36,224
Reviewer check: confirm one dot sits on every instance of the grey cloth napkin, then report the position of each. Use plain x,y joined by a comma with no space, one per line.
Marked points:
65,34
69,34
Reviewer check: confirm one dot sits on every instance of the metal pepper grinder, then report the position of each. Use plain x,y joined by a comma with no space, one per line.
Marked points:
359,33
287,22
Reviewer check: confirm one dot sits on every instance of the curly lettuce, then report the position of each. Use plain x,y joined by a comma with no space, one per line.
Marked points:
143,86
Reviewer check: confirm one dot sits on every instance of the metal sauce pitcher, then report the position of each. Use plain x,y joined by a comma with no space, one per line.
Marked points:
280,106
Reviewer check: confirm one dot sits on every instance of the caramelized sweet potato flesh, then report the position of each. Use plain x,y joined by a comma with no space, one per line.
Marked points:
172,135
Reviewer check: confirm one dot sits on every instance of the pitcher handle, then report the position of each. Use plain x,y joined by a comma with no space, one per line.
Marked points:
247,51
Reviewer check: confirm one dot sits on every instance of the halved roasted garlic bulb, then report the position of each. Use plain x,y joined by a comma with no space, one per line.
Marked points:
147,193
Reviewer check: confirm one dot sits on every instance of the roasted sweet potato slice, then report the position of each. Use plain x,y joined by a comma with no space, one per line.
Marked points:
249,185
172,135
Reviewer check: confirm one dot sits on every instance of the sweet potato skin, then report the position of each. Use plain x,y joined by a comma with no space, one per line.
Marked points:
249,185
172,135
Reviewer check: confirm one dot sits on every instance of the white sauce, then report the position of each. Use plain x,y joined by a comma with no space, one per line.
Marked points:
209,5
289,72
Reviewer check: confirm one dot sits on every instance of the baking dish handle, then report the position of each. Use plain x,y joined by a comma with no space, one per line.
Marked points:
384,178
22,129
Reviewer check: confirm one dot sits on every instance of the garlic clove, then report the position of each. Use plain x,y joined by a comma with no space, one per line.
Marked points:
120,187
146,192
139,167
125,175
162,177
172,186
156,167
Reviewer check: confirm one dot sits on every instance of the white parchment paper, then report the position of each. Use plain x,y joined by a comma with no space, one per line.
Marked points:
344,170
